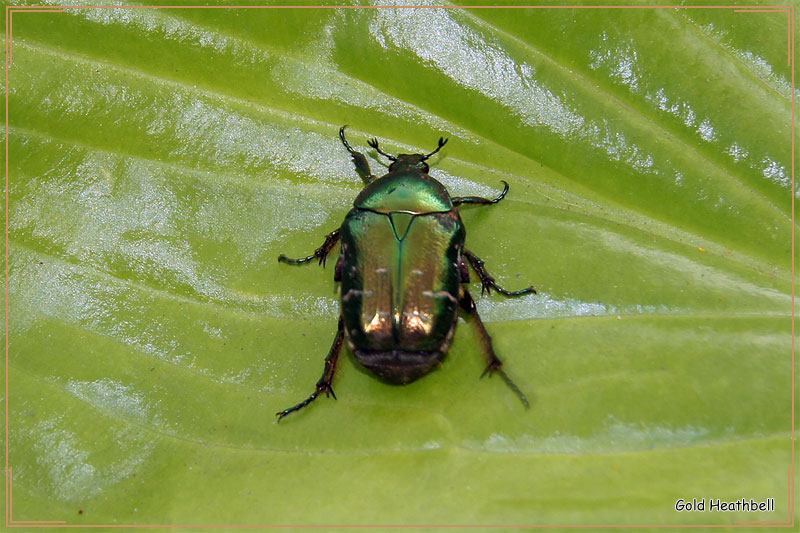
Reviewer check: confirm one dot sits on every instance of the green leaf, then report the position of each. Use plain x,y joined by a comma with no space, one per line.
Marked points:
161,159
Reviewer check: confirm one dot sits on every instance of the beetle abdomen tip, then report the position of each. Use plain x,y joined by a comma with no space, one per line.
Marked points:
399,367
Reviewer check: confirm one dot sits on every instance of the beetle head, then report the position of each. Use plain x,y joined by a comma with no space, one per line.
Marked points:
408,161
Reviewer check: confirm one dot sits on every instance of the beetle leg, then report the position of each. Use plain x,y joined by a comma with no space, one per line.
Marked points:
487,281
495,365
463,271
458,200
337,272
362,167
320,253
325,382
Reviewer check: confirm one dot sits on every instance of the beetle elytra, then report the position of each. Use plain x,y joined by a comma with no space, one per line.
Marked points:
403,270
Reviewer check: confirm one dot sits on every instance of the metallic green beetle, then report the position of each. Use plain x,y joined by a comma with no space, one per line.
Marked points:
402,269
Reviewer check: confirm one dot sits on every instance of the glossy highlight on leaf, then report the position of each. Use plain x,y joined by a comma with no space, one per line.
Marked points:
161,159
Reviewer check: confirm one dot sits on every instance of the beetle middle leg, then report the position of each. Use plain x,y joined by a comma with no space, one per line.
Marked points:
495,365
320,253
487,281
325,382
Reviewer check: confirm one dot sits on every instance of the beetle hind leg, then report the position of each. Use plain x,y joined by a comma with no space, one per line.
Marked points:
320,253
362,166
495,365
487,281
324,385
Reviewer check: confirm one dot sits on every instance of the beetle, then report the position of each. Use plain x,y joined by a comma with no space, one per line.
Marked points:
403,270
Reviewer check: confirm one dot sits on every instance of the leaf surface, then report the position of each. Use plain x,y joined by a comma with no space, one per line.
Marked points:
161,159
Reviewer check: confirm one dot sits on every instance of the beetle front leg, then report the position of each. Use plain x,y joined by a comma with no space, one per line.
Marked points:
325,382
320,253
458,200
362,167
487,281
495,365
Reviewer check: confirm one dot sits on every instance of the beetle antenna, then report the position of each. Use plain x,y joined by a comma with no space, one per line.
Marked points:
374,143
442,142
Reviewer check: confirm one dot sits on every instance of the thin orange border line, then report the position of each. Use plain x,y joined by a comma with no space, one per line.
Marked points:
392,7
789,25
793,271
11,520
789,10
407,526
11,11
789,519
5,300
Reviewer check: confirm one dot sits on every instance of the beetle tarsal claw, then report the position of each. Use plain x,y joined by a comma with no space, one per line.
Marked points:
494,366
487,285
374,143
514,388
